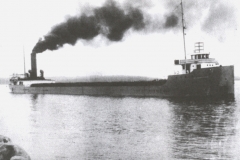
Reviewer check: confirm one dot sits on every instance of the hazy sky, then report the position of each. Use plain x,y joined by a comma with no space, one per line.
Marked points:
146,52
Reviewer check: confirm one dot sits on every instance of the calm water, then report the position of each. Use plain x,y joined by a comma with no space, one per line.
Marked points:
55,127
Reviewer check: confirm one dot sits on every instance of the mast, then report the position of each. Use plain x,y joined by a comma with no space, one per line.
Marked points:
183,30
24,61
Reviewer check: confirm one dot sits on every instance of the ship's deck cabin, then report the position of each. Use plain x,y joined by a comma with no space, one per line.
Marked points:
26,80
198,60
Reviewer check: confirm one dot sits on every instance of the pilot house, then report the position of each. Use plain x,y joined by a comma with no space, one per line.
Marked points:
198,60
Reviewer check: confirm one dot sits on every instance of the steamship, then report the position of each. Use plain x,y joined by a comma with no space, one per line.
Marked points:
198,76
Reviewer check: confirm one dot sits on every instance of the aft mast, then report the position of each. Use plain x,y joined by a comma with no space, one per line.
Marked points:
183,30
24,61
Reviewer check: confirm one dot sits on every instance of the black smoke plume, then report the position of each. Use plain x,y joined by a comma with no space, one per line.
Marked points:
171,21
214,17
110,20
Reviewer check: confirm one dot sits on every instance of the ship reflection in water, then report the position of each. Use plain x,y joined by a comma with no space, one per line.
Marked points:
205,129
85,127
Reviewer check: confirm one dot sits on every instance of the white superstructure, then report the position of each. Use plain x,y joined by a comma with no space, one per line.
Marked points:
198,60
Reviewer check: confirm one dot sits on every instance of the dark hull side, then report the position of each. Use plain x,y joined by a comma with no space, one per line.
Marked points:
216,81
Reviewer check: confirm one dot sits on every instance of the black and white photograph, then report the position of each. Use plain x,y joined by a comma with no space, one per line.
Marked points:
119,80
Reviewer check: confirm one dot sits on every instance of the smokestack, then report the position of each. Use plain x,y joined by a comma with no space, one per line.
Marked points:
33,65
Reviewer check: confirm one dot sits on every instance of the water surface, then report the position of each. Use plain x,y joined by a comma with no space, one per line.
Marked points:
83,127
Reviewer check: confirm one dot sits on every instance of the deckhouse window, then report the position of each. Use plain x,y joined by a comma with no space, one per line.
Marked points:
199,56
207,56
199,66
196,57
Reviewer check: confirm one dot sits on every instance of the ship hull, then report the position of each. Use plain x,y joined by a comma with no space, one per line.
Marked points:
215,81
